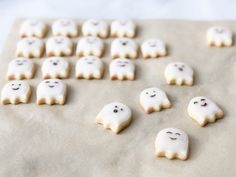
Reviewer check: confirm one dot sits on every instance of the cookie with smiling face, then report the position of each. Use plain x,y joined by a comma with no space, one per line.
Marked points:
204,110
20,68
15,92
172,143
55,67
95,27
153,48
154,99
90,45
115,116
30,47
179,73
89,67
219,36
123,28
51,91
122,69
59,46
124,48
33,28
64,27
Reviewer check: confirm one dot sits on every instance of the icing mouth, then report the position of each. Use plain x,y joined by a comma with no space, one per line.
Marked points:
122,65
180,69
172,138
205,104
219,30
55,64
19,64
90,62
16,88
124,43
59,41
95,23
51,86
115,111
30,42
152,95
152,45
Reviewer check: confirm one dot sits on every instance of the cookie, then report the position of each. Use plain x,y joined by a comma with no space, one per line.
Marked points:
153,48
55,67
154,99
219,36
30,47
89,67
33,28
124,48
59,46
20,68
51,91
15,92
123,28
94,27
115,116
172,143
122,69
178,73
65,27
90,45
204,110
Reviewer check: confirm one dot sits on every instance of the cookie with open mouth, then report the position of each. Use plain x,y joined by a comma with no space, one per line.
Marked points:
15,92
203,110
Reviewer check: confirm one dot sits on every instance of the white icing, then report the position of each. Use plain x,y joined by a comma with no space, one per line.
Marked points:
90,45
20,68
55,67
122,69
15,92
59,46
95,27
154,99
179,73
153,48
89,67
124,48
172,143
219,36
33,28
203,110
51,91
30,47
115,116
123,28
65,27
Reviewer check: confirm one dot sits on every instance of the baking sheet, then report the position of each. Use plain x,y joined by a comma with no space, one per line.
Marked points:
46,141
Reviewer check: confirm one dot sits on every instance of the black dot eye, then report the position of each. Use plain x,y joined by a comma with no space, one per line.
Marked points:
147,93
169,132
203,99
177,134
116,106
12,84
121,109
195,102
19,84
154,91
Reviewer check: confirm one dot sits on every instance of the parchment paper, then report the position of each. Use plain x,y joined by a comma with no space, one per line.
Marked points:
64,141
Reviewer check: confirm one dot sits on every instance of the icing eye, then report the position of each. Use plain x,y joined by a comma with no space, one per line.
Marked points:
195,102
203,99
56,82
12,84
147,93
154,91
19,84
47,82
169,132
177,134
175,65
183,66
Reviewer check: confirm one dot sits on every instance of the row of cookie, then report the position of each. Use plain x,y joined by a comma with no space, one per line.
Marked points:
69,28
92,67
62,46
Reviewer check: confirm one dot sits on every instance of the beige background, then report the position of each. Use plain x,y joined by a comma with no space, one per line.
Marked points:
50,141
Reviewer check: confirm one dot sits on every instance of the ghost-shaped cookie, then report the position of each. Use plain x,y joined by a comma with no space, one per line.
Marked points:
219,36
124,48
95,27
122,69
15,92
55,67
153,48
89,67
204,110
172,143
123,28
51,91
154,99
59,46
179,73
90,45
33,28
115,116
20,68
30,47
65,27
